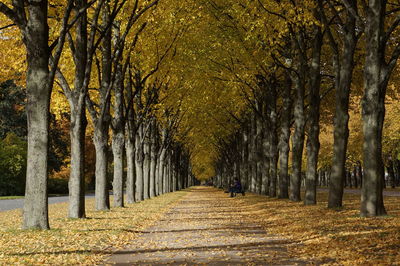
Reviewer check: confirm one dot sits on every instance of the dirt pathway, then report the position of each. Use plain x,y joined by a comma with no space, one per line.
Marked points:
205,227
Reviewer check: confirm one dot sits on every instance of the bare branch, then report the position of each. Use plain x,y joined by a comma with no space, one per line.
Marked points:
390,30
7,26
60,45
9,13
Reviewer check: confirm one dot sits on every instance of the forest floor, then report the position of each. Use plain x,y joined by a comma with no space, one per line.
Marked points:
203,225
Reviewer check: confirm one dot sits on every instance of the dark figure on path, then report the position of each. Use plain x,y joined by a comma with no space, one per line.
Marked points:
236,187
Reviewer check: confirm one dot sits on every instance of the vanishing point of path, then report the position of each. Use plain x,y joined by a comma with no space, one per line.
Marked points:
206,227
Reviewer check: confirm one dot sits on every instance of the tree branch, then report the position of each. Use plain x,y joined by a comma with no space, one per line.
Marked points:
9,13
8,26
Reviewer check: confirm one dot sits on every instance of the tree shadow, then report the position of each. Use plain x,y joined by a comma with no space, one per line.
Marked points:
259,246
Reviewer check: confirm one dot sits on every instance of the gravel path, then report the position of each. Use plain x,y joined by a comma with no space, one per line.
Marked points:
206,227
12,204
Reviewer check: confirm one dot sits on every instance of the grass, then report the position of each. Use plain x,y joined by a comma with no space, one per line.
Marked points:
11,197
78,241
329,236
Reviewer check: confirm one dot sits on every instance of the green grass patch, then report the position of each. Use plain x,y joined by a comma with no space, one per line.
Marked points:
11,197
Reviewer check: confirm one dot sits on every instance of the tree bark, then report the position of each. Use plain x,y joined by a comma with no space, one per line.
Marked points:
146,165
259,154
78,124
355,176
274,139
343,66
284,141
396,164
297,141
139,164
76,184
100,140
161,171
130,165
373,111
38,85
101,121
153,159
244,156
313,121
118,140
118,180
253,154
266,170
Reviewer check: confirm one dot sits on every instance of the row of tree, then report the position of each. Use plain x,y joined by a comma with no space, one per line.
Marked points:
311,49
289,64
93,61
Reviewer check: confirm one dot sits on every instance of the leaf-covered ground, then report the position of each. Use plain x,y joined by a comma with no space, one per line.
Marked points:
78,241
203,225
334,237
208,227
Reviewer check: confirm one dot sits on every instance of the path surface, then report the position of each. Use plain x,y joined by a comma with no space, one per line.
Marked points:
12,204
205,227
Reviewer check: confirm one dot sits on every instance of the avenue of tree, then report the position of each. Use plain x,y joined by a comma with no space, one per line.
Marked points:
178,90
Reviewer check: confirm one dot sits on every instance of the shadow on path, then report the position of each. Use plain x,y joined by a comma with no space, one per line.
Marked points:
206,227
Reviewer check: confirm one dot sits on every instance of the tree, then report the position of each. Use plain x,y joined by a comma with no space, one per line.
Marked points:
377,72
82,49
343,48
31,19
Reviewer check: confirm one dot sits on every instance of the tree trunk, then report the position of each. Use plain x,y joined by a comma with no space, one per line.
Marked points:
274,139
244,162
161,171
100,141
297,141
139,164
158,177
343,66
118,180
130,147
153,159
38,85
284,141
146,165
246,159
173,170
396,164
130,165
266,170
355,176
253,154
390,171
76,182
259,155
313,121
166,183
101,121
373,112
78,124
118,140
